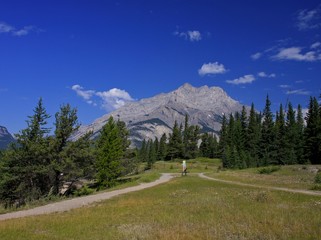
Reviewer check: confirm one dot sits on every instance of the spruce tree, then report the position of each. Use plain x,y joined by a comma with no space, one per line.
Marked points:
267,145
110,150
312,143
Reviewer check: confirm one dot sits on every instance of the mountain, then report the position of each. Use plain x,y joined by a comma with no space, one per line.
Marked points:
5,138
151,117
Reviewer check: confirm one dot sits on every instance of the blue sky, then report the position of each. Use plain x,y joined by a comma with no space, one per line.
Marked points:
97,55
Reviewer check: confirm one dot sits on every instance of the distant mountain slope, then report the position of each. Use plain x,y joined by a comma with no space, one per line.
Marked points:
5,137
151,117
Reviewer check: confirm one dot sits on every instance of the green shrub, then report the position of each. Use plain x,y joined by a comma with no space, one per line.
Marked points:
317,178
269,170
83,191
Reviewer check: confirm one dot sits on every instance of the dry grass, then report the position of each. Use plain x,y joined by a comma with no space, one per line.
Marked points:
185,208
294,176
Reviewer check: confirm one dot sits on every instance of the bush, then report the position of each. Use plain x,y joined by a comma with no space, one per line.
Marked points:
269,170
317,178
83,191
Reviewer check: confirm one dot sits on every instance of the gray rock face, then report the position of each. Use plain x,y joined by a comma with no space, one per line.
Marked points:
151,117
5,137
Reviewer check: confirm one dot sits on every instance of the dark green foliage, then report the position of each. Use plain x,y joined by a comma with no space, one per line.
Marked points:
317,178
109,151
263,140
269,170
175,143
312,133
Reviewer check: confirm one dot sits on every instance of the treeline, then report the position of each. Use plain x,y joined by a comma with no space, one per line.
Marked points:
182,143
262,139
38,163
246,139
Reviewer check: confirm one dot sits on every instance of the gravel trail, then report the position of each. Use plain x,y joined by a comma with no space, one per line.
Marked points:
78,202
315,193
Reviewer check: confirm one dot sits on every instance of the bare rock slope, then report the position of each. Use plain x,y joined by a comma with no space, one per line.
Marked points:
151,117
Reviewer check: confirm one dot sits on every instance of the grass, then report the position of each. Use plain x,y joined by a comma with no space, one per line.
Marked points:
293,176
185,208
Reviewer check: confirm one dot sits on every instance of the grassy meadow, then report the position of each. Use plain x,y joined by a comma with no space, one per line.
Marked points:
187,207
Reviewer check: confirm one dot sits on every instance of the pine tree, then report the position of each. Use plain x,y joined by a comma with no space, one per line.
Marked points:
268,135
62,163
110,150
175,144
312,151
223,143
162,151
253,138
299,152
281,153
291,136
23,170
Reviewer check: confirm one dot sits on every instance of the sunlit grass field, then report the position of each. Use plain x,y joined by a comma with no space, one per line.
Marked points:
189,207
185,208
293,176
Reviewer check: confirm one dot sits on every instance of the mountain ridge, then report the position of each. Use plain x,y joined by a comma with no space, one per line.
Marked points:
151,117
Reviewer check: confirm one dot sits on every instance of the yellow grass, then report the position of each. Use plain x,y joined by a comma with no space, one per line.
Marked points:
185,208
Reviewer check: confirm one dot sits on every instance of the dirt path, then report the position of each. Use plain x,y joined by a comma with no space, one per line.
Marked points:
82,201
259,186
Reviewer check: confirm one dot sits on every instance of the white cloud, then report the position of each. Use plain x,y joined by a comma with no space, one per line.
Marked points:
85,94
299,92
315,45
264,75
295,53
193,36
309,19
242,80
6,28
211,68
110,100
284,86
256,56
114,98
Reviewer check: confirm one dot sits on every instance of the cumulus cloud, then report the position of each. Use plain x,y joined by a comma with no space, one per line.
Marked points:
193,36
6,28
109,100
309,19
295,53
242,80
211,68
114,98
298,92
264,75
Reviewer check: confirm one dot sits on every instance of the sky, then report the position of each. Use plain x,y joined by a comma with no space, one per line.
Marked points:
97,55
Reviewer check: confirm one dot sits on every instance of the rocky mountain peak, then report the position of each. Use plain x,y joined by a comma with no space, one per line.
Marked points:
5,137
151,117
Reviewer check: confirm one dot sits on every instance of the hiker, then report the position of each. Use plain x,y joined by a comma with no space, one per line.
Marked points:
184,172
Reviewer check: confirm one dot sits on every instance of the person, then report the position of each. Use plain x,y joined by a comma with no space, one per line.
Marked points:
184,172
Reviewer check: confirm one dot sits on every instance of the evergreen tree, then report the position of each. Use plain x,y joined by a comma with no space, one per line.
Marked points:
223,143
281,155
291,136
151,154
312,151
299,152
268,135
253,138
175,144
162,150
23,171
110,150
